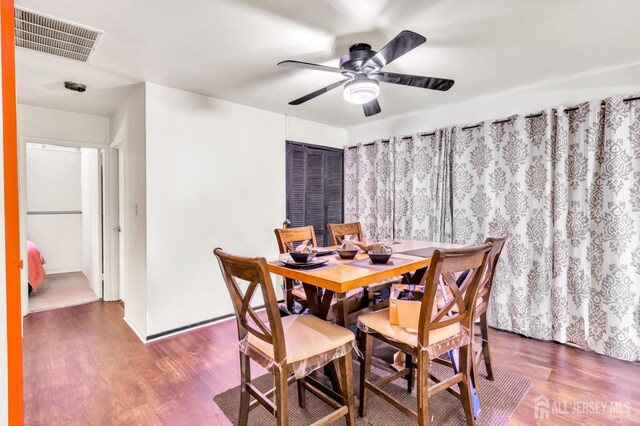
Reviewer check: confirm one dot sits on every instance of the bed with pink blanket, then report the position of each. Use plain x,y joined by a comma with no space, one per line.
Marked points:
36,270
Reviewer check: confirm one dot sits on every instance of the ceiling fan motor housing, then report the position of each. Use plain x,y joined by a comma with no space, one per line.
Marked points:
357,56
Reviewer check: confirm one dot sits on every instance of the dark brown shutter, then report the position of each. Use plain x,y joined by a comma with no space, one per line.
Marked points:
333,189
296,184
314,187
314,197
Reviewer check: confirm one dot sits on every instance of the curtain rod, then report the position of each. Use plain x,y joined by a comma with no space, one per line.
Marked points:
602,104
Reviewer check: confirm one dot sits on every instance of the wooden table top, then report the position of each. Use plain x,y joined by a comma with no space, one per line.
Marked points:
344,277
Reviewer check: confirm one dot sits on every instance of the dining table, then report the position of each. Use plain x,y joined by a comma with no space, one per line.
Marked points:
337,277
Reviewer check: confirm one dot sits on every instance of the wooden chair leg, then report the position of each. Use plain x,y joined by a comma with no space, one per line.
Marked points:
345,364
366,346
288,289
423,389
465,361
245,397
408,363
282,397
486,354
302,394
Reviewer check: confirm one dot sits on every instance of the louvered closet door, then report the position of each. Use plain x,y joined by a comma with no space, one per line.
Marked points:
314,187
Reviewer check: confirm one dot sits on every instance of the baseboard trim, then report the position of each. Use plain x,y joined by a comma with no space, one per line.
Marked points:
63,271
190,327
136,330
184,329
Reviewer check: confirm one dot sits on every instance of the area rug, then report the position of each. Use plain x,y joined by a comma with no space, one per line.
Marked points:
61,291
499,399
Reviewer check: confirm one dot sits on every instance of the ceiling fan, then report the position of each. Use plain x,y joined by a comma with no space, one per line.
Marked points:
361,68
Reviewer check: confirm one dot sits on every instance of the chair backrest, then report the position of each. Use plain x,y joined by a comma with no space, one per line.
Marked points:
288,237
254,271
459,308
337,232
486,283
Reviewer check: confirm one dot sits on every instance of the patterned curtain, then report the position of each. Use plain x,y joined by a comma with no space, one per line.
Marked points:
565,185
422,187
401,188
368,191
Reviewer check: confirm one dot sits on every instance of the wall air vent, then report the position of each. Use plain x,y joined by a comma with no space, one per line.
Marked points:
54,36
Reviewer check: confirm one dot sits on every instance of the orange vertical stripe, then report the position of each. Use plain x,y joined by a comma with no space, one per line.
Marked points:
11,215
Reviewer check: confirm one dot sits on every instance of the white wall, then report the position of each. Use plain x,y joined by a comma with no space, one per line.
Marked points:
215,177
562,92
315,133
53,184
37,122
128,128
91,239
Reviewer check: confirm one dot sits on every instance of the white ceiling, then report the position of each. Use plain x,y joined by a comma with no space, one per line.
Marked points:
229,49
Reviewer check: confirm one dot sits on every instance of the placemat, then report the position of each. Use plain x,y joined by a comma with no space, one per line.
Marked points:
366,263
327,265
423,252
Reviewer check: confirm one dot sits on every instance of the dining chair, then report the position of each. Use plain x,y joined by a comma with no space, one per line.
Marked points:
484,292
440,330
337,234
288,239
289,347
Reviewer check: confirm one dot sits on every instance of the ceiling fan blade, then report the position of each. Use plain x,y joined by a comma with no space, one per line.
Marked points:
308,66
318,92
401,44
371,108
433,83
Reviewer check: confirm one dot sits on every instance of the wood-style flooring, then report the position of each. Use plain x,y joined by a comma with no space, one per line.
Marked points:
84,366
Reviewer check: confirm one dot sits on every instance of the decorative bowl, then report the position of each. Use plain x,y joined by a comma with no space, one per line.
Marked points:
347,254
301,257
379,258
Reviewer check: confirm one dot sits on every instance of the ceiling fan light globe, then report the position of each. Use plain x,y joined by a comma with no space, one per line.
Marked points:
361,91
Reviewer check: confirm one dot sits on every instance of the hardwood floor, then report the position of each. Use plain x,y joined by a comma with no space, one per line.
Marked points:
83,365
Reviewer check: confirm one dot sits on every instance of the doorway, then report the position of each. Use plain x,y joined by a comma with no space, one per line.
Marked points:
63,228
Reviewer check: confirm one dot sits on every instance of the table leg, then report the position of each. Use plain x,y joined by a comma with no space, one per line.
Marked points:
417,276
319,302
342,316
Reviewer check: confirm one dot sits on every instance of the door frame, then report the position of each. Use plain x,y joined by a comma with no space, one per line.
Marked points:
13,262
119,254
111,291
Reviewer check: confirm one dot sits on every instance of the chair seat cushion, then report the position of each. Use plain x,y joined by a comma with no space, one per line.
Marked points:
310,343
440,340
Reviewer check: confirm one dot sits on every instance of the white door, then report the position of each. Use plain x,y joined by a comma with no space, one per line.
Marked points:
121,223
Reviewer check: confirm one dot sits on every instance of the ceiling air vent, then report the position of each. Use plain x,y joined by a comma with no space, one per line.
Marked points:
54,36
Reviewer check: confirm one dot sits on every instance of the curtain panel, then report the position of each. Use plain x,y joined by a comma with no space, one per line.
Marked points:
564,185
400,188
